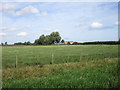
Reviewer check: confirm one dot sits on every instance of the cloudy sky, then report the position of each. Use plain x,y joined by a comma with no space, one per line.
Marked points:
76,21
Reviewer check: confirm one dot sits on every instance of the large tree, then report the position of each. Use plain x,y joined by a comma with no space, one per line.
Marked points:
47,40
42,40
36,42
54,37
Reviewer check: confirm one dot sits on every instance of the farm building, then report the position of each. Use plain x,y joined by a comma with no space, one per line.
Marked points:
59,43
66,42
71,42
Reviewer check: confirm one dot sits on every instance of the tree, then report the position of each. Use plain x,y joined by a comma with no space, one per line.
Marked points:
68,43
62,41
19,43
41,40
54,37
36,42
25,43
5,43
2,44
47,40
75,43
28,43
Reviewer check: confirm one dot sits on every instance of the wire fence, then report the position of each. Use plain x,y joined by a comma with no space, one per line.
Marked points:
53,58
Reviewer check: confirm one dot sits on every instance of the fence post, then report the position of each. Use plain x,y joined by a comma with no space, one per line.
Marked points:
80,57
52,58
63,59
68,59
16,62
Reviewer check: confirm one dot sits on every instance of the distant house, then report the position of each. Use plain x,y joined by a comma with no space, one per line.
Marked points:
59,43
66,42
71,42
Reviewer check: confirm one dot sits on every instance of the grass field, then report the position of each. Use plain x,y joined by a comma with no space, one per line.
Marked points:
83,66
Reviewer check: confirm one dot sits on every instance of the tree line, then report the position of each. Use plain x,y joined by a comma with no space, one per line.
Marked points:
98,42
24,43
55,37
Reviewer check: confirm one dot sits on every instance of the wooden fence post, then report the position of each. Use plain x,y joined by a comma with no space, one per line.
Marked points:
63,59
52,58
80,57
68,58
16,62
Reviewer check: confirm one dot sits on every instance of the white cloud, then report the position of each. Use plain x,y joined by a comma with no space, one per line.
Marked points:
27,10
52,30
4,19
22,34
117,23
79,24
3,34
96,25
13,29
10,9
8,6
3,28
61,1
42,14
28,26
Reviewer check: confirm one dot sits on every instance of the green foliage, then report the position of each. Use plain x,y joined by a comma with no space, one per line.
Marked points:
2,43
75,43
5,43
36,41
100,42
62,41
68,43
54,37
25,43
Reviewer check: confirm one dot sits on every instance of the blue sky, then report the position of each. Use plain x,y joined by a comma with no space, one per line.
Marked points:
76,21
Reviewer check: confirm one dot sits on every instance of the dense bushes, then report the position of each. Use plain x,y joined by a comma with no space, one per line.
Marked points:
25,43
98,42
76,43
53,38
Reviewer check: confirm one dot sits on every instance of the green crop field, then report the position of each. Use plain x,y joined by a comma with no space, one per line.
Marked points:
65,66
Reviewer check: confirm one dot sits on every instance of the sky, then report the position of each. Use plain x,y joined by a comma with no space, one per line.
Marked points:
60,0
75,21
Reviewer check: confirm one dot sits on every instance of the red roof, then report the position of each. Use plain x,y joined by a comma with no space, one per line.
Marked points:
59,43
69,41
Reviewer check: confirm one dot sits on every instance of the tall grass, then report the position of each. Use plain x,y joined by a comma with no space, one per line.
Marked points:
29,55
84,66
91,74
